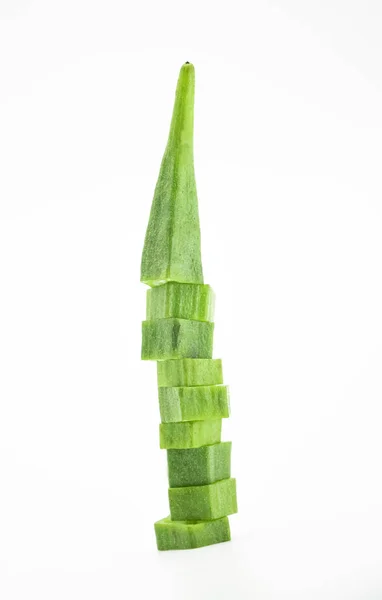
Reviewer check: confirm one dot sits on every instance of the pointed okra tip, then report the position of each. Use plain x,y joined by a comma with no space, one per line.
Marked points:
187,72
186,85
182,122
171,249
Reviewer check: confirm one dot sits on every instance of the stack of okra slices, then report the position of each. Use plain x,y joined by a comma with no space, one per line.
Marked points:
192,403
178,333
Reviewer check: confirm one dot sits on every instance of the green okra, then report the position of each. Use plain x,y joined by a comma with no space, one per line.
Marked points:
203,502
178,333
163,339
199,466
181,300
171,250
183,535
189,434
193,403
189,372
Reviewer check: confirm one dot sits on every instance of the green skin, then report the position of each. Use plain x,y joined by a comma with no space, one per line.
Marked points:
193,403
199,466
190,372
172,245
182,300
190,434
182,535
203,502
165,339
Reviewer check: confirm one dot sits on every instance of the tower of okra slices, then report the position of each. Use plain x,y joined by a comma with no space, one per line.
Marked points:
178,333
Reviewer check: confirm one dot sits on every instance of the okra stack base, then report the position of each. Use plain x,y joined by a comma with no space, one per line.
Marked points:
192,400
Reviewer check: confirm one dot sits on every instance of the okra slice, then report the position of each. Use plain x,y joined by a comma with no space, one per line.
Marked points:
181,300
193,403
190,434
181,535
176,338
189,372
203,502
199,466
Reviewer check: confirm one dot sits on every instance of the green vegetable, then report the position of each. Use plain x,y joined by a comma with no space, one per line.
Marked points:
181,535
178,333
190,372
172,245
199,466
203,502
193,403
182,300
190,434
176,338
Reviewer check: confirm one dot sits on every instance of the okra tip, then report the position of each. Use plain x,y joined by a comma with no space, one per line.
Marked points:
187,67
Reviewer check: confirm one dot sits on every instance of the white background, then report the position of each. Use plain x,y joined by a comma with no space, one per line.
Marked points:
288,129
